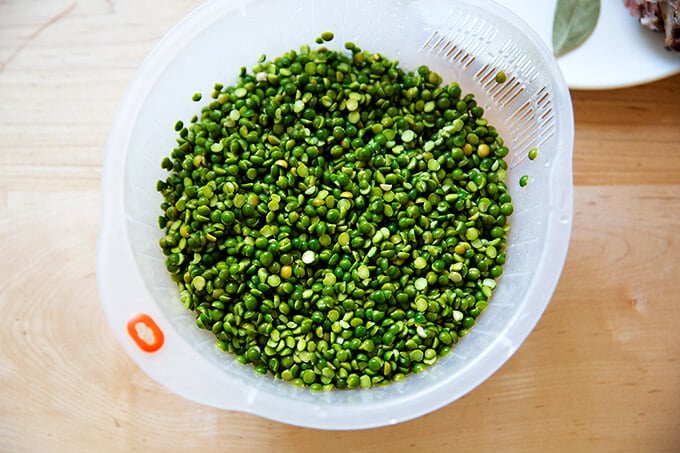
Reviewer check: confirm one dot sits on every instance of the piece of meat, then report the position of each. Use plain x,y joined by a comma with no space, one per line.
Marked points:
659,15
672,24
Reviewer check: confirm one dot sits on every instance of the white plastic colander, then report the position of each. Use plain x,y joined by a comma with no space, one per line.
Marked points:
464,41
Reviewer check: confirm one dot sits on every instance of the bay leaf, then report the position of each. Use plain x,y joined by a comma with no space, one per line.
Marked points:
573,23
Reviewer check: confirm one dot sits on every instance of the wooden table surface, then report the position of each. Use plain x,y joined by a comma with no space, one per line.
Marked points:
601,371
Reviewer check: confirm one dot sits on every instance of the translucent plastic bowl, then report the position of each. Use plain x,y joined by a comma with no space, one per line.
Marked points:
465,41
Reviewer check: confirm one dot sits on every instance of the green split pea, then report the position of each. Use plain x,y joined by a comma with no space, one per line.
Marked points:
335,220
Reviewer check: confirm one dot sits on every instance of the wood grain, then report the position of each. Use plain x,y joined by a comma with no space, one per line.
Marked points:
601,371
629,136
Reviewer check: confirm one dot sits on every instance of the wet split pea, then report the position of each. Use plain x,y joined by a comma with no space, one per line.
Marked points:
533,153
336,220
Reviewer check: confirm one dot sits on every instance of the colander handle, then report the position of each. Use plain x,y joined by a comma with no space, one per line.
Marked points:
145,332
149,338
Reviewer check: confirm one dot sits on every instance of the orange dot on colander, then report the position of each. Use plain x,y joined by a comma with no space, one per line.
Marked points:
145,332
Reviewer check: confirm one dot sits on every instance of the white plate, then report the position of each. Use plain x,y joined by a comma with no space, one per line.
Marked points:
619,53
